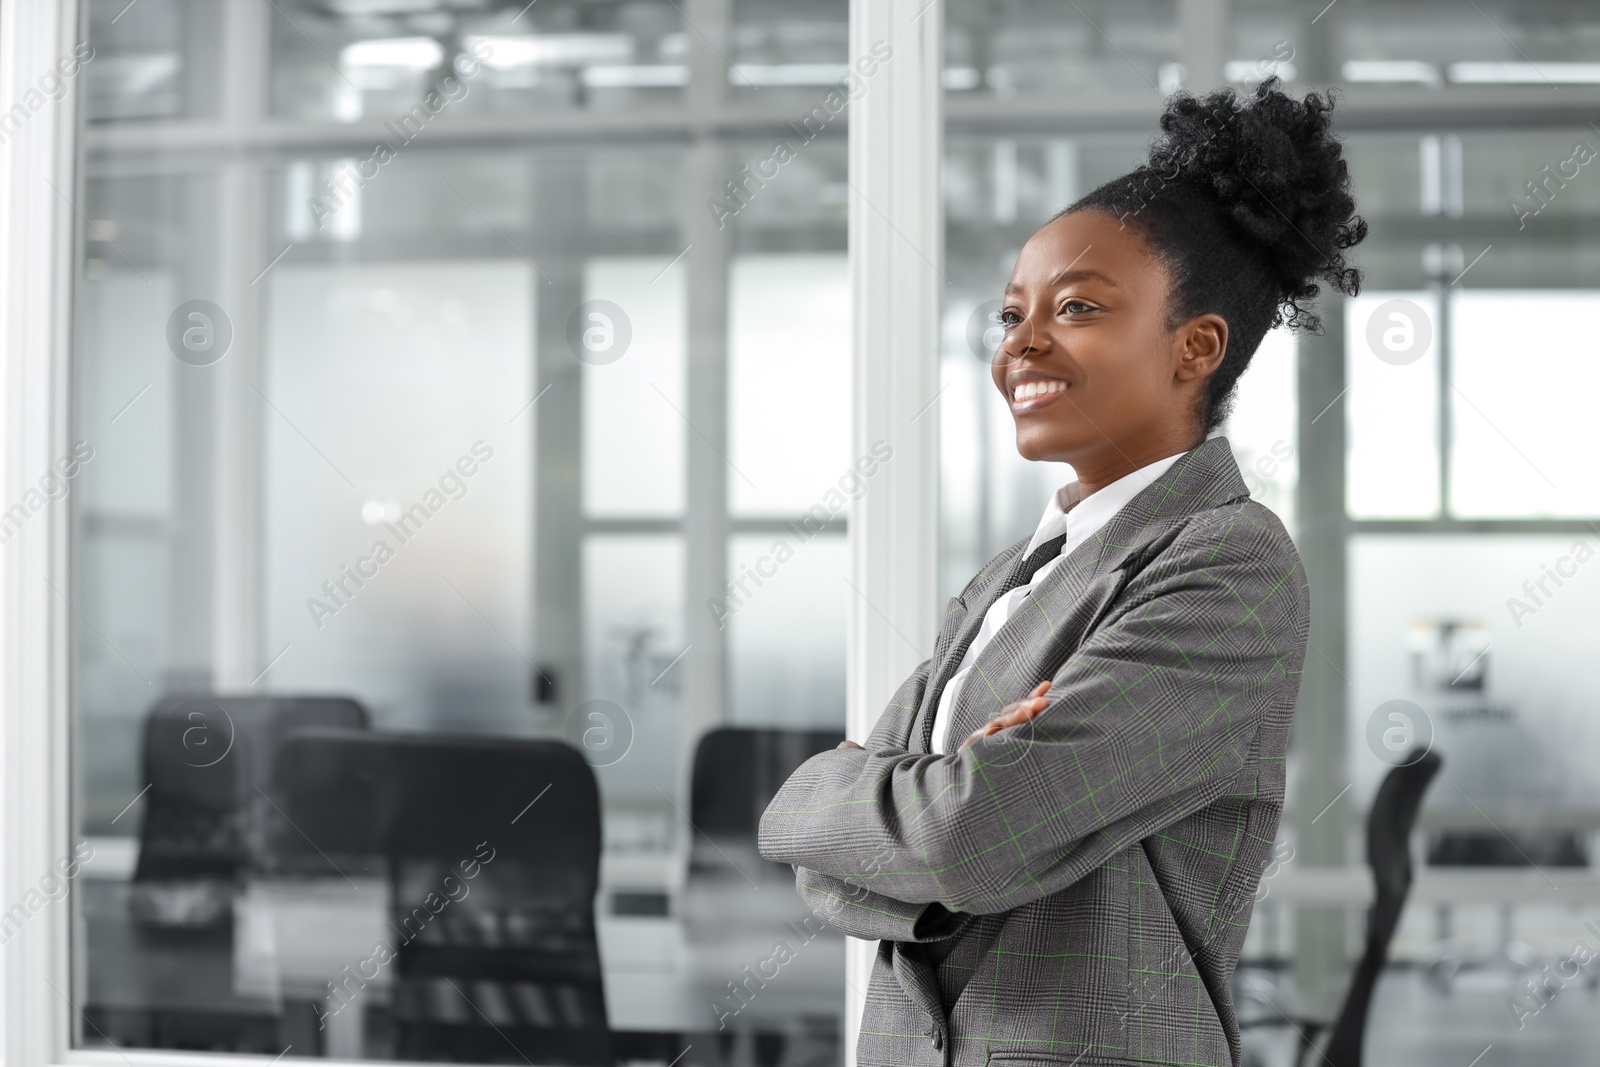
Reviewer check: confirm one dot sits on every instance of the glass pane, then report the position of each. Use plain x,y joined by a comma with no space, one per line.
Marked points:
1431,44
1042,49
630,719
380,670
788,51
407,66
161,65
633,426
786,629
431,627
1391,405
1262,427
789,365
1512,723
1513,450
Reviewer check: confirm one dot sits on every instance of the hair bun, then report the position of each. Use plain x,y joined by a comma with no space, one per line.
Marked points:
1276,169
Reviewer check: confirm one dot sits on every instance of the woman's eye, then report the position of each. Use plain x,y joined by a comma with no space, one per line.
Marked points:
1009,319
1073,307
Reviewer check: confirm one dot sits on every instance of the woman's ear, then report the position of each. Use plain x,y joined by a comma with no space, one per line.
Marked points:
1202,342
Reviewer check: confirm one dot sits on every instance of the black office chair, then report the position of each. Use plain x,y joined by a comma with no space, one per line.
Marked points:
737,771
204,755
1389,824
207,759
492,847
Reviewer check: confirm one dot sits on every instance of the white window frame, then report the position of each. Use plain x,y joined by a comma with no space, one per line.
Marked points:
895,228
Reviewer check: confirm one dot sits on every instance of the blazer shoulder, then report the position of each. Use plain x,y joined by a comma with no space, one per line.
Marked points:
1240,531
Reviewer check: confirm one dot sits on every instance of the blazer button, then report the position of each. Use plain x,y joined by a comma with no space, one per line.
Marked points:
938,1042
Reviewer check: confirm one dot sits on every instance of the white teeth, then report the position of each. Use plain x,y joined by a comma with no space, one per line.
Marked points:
1029,390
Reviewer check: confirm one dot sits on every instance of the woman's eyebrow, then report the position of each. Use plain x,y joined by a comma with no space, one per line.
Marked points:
1069,275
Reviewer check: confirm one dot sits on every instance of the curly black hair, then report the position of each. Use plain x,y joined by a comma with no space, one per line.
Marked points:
1247,203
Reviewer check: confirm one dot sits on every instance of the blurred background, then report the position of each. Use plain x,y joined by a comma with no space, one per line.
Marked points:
575,352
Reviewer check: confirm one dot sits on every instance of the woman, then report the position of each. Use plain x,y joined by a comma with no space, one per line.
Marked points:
1058,825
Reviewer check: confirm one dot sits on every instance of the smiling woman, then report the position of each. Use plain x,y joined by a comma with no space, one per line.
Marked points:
1123,680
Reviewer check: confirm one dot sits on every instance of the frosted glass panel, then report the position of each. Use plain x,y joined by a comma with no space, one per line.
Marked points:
1261,428
1391,341
632,641
387,385
634,406
1529,734
789,380
786,631
1526,375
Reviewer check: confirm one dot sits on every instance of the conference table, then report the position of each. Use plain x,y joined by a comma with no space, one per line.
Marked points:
665,977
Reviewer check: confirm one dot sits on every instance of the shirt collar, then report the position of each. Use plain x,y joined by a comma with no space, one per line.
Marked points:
1066,514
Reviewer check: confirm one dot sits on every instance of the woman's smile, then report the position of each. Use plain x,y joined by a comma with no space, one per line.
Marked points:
1030,392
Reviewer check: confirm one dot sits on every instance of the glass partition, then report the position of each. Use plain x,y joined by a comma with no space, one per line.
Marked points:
427,443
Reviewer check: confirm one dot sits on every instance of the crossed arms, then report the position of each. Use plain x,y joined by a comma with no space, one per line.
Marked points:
1149,720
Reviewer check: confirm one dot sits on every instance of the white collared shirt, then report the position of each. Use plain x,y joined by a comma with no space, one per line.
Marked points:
1079,520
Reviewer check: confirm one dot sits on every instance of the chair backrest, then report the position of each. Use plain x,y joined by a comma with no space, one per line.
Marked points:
207,759
1390,820
493,850
737,771
530,809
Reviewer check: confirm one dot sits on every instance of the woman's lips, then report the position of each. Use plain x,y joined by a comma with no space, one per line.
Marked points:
1034,403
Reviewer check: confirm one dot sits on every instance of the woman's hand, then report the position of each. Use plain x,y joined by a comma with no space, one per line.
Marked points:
850,744
1013,714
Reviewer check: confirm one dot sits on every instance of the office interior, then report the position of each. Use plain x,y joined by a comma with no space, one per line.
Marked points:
446,538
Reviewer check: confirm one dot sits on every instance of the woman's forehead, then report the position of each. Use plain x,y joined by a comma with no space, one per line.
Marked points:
1083,241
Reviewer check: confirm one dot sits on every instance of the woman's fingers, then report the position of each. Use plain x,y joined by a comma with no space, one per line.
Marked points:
1013,714
848,744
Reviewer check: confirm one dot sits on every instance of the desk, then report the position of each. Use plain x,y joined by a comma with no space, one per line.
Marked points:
291,938
1352,886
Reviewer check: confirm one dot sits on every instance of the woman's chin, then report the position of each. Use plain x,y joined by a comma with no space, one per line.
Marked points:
1033,443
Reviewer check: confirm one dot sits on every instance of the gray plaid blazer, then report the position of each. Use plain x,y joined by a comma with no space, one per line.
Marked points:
1075,890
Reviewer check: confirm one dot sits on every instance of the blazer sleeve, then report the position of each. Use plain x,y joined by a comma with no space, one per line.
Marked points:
1149,720
855,910
859,912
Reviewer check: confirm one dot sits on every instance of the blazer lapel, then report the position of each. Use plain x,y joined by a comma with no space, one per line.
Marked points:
1004,574
1204,478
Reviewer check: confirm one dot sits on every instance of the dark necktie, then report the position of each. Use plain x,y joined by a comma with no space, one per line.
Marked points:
1041,555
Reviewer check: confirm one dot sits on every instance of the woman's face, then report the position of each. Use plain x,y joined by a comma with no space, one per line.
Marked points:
1091,372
